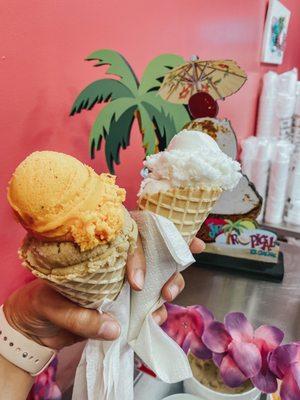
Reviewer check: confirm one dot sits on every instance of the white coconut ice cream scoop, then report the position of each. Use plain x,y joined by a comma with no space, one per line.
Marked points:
192,159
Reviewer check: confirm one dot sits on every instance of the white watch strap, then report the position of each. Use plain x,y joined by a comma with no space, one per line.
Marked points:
21,351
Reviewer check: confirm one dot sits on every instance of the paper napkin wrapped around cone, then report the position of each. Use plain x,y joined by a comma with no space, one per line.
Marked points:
105,371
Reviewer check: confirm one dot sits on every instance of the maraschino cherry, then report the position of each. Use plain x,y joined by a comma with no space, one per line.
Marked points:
201,104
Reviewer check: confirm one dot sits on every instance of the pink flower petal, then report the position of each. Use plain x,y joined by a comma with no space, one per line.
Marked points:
218,358
247,357
230,373
186,344
216,338
180,322
295,368
281,358
195,321
206,315
198,348
289,388
270,334
238,326
266,383
174,309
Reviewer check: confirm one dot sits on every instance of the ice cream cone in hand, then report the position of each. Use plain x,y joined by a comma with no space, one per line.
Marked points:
183,182
79,232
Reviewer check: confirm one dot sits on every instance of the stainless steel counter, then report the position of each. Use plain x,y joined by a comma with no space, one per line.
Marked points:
263,302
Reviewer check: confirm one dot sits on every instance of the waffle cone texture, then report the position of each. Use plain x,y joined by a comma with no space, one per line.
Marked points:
187,208
85,277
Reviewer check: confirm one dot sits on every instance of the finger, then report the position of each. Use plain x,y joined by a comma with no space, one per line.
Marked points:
80,321
197,246
173,287
160,315
62,339
136,267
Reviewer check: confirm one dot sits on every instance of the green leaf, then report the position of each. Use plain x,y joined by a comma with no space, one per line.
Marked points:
244,225
117,66
99,91
170,118
111,112
164,125
156,70
179,113
118,137
150,141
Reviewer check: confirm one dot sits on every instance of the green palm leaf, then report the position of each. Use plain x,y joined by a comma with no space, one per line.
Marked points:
111,113
164,124
150,141
229,226
156,70
99,91
117,66
244,225
118,137
169,118
179,114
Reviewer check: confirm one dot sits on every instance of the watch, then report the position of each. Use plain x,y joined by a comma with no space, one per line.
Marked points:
21,351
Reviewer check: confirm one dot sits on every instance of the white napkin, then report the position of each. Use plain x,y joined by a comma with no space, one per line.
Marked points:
105,371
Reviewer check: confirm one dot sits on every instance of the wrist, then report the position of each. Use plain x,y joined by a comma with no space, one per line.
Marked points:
15,383
21,351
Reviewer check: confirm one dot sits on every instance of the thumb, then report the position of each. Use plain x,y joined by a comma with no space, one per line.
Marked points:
80,321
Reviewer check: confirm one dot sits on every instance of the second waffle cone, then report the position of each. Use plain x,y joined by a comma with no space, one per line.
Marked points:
187,208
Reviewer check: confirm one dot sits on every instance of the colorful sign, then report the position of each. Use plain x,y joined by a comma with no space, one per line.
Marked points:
243,239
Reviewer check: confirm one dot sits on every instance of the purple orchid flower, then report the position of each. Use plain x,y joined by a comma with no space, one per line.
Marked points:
242,353
284,362
186,325
45,386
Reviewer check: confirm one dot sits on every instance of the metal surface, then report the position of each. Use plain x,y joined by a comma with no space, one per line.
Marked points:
283,230
263,302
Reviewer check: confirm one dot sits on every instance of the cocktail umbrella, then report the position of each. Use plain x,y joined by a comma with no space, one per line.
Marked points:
219,79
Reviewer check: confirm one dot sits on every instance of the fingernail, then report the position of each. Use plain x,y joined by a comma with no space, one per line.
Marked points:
174,291
109,330
157,318
139,278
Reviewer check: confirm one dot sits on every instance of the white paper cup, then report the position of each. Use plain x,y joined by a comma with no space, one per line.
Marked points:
192,386
182,396
296,120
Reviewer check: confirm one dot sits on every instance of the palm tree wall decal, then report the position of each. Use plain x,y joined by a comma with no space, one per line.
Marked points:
127,98
236,226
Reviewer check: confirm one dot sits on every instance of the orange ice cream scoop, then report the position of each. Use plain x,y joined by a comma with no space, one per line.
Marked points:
56,197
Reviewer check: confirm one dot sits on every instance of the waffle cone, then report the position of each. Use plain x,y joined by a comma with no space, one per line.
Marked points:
187,208
92,289
87,278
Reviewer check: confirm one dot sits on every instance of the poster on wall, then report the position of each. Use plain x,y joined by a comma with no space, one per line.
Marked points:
275,33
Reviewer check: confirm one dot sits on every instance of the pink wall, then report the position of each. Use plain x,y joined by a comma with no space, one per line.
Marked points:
43,44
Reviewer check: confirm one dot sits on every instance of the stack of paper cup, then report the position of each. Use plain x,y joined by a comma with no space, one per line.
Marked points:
279,175
297,103
260,169
296,121
248,155
293,214
266,114
287,82
255,157
285,105
296,154
284,113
